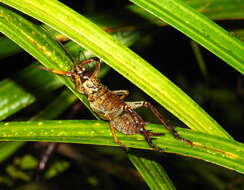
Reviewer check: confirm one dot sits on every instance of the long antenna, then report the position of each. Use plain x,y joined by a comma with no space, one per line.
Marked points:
66,51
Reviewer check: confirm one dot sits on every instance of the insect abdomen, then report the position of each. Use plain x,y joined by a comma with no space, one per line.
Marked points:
125,123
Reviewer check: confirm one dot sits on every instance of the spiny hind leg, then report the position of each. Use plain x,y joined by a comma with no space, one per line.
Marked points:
140,124
139,104
121,93
136,104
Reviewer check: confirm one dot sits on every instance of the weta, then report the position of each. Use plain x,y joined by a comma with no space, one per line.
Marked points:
110,105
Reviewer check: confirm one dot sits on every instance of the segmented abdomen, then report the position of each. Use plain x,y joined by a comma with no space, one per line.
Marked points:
125,123
106,103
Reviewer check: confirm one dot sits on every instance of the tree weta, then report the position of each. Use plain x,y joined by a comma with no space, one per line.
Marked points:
109,105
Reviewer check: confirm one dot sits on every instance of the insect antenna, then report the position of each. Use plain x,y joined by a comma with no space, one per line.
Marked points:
66,51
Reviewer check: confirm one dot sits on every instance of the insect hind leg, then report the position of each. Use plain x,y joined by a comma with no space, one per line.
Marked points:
139,104
140,123
121,93
155,134
165,122
147,137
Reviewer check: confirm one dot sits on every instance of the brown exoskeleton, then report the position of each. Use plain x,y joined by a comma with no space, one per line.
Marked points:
110,105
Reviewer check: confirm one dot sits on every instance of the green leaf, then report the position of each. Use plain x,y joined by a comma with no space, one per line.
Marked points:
226,153
153,173
54,109
198,27
8,104
219,9
8,148
213,9
7,48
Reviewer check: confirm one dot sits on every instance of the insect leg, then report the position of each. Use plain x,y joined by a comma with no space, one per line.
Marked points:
79,56
139,104
77,80
135,105
160,117
121,93
87,61
58,72
97,67
115,136
69,74
72,75
80,64
140,123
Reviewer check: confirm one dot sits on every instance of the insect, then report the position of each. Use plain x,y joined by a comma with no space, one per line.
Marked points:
110,105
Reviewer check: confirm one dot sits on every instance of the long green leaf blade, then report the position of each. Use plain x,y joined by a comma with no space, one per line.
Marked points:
198,27
153,173
213,9
219,9
227,153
